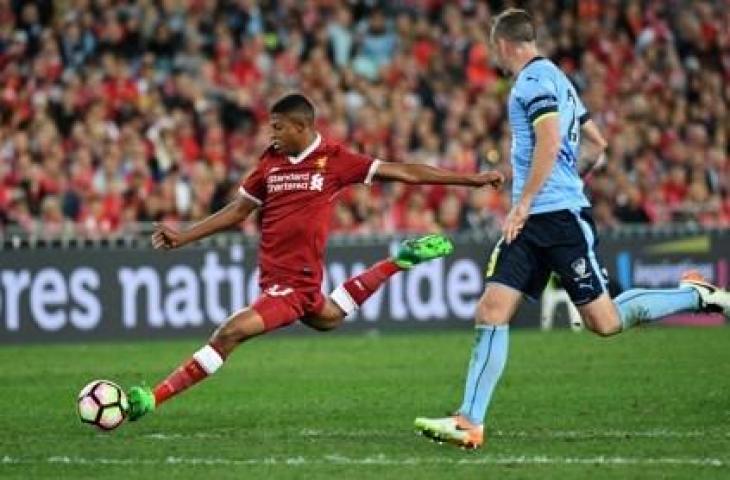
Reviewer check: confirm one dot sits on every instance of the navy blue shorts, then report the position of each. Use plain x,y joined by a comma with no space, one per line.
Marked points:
563,242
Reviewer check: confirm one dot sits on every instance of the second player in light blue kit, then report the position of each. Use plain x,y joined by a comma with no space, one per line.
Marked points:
542,93
549,229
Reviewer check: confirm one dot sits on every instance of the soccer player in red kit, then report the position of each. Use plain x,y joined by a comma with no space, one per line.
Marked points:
295,185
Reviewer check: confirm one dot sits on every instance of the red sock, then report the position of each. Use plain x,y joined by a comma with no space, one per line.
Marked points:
202,364
360,288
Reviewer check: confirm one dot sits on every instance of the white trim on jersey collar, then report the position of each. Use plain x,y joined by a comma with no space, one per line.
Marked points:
307,151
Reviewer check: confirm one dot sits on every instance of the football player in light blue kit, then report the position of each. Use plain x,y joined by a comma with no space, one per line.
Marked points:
549,229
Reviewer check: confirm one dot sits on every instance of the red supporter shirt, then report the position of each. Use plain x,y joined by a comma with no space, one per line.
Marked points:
296,197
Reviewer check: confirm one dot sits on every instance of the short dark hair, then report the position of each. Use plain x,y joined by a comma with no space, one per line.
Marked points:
515,25
295,104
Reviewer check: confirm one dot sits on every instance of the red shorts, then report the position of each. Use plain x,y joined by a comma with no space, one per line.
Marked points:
280,306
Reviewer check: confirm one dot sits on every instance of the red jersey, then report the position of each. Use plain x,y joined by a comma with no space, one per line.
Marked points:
296,196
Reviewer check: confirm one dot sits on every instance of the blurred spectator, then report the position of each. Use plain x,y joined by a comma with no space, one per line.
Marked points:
119,111
376,46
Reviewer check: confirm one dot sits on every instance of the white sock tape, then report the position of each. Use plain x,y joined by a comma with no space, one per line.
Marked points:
343,300
208,359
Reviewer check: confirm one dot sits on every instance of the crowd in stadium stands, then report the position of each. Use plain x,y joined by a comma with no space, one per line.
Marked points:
119,111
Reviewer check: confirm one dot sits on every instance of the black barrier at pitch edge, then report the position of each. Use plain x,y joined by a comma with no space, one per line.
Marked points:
114,292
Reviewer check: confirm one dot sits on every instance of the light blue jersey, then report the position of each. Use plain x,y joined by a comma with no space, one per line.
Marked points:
540,90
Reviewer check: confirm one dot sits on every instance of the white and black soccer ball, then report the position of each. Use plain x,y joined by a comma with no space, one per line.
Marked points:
102,403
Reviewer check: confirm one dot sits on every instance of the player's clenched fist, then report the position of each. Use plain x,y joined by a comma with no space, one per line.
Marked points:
492,178
166,237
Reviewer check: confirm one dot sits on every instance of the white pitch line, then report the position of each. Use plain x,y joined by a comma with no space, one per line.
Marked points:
380,460
552,434
534,434
587,434
178,436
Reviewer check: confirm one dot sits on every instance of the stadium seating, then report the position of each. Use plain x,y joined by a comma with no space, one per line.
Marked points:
119,112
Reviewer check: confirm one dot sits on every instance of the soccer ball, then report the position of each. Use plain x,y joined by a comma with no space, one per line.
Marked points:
103,404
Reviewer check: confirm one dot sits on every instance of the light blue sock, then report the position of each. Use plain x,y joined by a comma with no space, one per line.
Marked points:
487,362
644,306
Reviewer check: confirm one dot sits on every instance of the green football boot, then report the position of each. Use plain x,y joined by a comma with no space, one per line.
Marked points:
141,401
419,250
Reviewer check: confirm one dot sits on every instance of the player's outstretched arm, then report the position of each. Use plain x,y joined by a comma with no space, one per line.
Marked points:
232,214
425,174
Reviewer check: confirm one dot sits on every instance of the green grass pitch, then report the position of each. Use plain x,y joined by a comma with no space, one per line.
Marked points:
653,403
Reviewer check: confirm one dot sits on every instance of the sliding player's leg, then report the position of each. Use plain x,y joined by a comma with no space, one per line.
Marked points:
328,318
280,306
276,308
349,296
